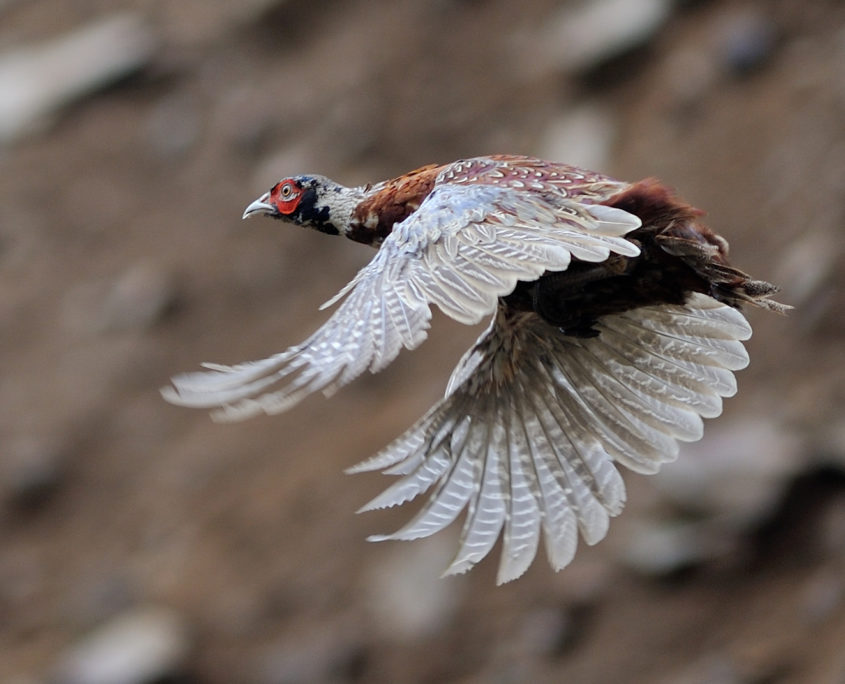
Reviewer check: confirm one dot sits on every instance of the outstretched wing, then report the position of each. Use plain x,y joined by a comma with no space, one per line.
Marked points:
466,246
526,439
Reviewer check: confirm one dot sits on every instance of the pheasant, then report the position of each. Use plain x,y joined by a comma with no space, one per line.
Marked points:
615,328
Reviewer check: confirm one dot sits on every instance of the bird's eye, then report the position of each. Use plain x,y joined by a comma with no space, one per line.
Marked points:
286,192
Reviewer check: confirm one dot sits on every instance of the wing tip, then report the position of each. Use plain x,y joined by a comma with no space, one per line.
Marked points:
378,537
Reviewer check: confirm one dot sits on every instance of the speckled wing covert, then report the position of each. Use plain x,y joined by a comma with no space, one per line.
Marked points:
465,247
533,421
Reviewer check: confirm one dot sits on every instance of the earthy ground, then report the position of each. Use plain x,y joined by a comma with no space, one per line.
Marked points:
123,261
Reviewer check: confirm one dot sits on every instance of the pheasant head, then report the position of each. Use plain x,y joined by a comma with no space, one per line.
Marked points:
310,201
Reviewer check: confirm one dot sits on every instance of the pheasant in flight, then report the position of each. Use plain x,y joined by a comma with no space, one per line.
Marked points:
614,330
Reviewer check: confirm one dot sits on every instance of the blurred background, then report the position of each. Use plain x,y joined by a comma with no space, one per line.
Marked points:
141,543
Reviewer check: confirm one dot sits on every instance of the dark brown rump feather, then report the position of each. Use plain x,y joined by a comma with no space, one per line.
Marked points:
679,233
678,255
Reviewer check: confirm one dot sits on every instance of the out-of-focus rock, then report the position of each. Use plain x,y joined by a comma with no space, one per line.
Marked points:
6,4
754,660
174,125
31,471
809,266
138,299
334,653
689,77
99,596
747,40
822,595
583,136
831,438
664,547
713,668
144,646
545,632
37,81
737,472
256,10
832,529
733,479
405,593
588,580
584,36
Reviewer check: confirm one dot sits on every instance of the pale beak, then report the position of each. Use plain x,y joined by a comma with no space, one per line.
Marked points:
260,206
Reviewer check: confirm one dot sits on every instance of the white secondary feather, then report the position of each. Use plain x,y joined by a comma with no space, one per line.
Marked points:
451,253
526,441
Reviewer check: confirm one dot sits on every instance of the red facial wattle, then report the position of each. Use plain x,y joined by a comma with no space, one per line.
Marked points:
286,196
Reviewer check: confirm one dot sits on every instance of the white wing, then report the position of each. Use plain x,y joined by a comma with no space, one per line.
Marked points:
465,247
527,438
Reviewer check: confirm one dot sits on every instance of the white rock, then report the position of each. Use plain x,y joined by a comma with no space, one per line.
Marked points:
38,80
140,647
590,33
